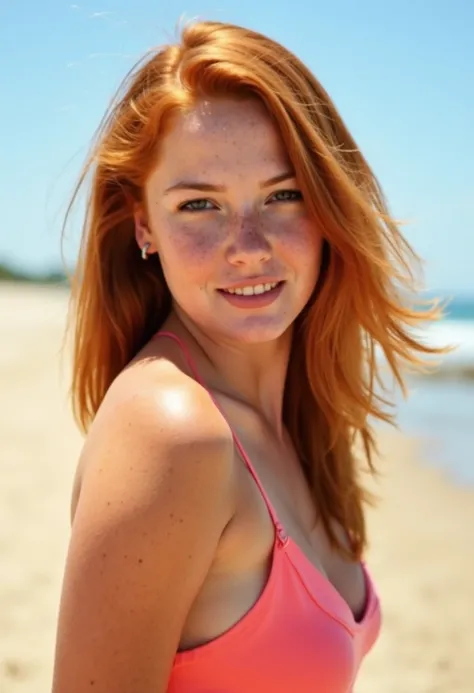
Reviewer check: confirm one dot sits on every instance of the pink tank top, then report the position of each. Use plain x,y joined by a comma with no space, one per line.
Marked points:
300,636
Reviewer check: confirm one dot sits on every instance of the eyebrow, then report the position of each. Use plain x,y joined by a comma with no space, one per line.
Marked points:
209,187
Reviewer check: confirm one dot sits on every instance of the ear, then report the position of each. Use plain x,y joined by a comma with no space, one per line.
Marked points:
142,230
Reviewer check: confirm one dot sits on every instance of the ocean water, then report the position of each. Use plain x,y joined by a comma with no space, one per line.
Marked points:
440,407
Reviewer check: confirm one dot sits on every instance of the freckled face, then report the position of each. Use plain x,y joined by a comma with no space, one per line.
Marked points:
237,228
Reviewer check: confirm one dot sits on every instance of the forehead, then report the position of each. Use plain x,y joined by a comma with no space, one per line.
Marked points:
211,117
219,133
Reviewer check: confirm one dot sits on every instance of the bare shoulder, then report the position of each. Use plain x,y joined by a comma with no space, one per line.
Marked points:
156,494
154,416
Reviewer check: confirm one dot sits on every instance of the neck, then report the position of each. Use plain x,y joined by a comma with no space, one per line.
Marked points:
252,373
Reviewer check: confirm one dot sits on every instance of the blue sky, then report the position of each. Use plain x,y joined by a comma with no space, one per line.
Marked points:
400,71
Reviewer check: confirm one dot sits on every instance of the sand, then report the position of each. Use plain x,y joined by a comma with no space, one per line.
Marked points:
422,532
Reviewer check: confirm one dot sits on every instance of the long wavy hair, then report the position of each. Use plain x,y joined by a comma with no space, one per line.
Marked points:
360,304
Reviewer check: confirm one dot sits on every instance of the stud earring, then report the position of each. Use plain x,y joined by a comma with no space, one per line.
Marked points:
145,251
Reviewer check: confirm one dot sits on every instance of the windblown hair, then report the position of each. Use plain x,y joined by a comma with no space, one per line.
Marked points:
358,307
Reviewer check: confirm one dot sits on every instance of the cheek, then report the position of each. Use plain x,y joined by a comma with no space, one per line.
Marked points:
300,239
193,243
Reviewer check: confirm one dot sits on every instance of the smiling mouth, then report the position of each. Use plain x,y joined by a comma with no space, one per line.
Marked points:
256,290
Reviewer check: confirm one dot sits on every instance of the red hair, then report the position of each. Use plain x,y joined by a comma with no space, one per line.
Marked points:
359,305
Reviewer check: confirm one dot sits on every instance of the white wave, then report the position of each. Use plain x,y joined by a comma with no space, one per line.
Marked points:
459,334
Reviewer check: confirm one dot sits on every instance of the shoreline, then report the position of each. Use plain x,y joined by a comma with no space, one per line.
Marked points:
420,532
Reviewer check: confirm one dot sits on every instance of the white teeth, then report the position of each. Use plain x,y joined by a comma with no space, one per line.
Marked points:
252,290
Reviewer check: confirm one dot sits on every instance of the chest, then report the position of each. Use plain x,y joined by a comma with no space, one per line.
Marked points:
271,475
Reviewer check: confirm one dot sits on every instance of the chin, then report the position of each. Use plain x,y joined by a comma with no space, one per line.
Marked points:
253,330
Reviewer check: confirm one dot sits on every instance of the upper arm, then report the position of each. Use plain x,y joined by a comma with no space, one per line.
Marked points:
155,498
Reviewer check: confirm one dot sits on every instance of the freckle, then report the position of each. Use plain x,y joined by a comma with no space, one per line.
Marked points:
181,520
104,555
140,560
125,556
171,515
108,502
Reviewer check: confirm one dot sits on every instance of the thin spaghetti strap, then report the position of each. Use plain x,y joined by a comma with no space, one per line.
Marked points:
187,355
245,457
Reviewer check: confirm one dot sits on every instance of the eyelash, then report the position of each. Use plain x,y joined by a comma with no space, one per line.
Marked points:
184,207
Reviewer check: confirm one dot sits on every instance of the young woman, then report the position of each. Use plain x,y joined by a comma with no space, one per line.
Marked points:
238,270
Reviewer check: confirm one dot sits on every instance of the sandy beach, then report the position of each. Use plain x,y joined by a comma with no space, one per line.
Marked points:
422,532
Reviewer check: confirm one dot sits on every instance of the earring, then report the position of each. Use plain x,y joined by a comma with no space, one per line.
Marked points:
145,250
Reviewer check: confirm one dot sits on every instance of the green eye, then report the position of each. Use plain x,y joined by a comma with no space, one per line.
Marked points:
197,205
288,196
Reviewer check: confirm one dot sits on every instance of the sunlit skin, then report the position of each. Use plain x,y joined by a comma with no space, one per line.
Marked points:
247,225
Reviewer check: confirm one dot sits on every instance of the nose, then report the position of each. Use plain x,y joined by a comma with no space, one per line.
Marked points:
249,244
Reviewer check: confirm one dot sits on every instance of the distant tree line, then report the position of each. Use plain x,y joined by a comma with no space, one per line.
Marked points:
13,274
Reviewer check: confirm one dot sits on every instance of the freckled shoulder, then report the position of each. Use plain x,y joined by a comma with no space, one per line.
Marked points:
157,402
153,400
